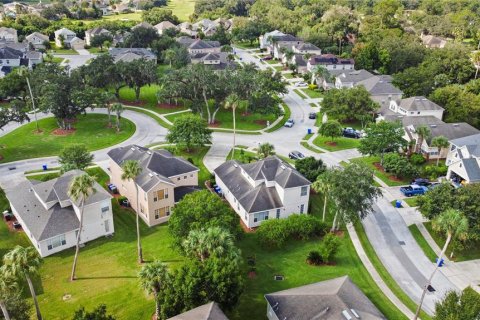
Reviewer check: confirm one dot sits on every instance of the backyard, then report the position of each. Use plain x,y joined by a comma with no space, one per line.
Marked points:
91,130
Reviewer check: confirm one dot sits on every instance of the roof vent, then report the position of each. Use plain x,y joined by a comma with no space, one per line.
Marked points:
235,165
433,126
283,166
150,174
346,315
456,125
132,148
149,152
355,313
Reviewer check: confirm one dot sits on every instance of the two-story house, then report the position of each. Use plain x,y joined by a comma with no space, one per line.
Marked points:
266,189
463,160
330,62
416,107
51,218
164,26
65,38
265,40
195,46
131,54
350,78
164,180
381,89
279,43
8,35
37,40
92,33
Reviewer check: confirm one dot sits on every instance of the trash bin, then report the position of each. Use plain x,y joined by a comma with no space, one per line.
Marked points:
441,262
44,167
309,131
398,204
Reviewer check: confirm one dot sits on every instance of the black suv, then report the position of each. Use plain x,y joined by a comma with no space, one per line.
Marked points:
351,133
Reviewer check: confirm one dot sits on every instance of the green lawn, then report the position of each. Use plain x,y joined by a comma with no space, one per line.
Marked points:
312,93
286,115
288,76
340,143
384,176
385,275
148,99
412,201
135,16
469,252
272,61
100,175
242,156
91,130
182,8
279,68
246,45
56,50
309,147
95,50
224,119
431,255
156,118
300,93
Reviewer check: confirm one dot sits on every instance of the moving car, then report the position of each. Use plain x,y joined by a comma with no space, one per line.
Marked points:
312,115
413,190
296,155
289,123
351,133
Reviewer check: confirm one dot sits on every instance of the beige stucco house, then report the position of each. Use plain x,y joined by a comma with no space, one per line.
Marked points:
164,180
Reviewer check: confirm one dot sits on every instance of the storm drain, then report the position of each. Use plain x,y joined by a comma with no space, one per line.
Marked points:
402,243
278,278
430,288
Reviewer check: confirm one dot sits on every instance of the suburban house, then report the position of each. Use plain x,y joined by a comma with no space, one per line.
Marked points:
51,218
164,25
266,189
333,299
209,311
164,180
8,35
216,61
279,43
265,40
17,54
187,28
381,89
432,42
131,54
349,79
330,62
307,48
451,131
37,40
195,46
463,160
92,33
68,39
143,25
418,106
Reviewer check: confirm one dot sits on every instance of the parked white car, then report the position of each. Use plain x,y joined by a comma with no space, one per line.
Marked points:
301,84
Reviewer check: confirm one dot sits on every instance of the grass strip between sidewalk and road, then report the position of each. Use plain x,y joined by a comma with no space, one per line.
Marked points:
309,147
387,278
286,115
151,115
418,236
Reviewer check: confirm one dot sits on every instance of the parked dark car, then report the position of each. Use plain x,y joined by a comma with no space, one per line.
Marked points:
7,216
296,155
267,58
351,133
17,225
312,115
113,188
124,203
421,182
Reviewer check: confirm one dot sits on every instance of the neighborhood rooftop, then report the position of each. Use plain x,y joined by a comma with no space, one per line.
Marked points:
209,311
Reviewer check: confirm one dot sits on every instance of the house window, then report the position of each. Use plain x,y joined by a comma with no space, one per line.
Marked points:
160,195
260,216
145,196
278,213
56,242
302,208
178,179
141,208
184,177
304,191
191,175
162,212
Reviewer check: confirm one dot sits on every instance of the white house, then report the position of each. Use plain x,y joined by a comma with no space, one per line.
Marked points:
266,189
418,106
163,26
8,35
37,40
330,62
67,38
432,42
307,48
381,89
195,46
265,40
349,78
463,160
92,33
51,218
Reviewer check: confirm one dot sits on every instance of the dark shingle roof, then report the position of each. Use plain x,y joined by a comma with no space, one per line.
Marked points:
450,130
158,165
380,85
286,37
329,59
10,53
323,300
209,311
130,54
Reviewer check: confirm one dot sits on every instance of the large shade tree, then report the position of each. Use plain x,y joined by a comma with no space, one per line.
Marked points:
189,131
382,137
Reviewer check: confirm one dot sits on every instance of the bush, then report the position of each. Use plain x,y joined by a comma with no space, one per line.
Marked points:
417,159
329,247
398,165
276,232
312,86
120,199
314,258
433,172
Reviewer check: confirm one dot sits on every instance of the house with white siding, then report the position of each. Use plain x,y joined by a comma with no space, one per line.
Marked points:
463,160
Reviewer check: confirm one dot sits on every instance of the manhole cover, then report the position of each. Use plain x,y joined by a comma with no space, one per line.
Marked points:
402,243
66,297
278,278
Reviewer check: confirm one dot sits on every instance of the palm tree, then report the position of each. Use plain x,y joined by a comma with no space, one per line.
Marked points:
131,170
232,102
79,190
455,225
169,55
23,71
289,55
265,149
476,61
214,241
440,142
320,72
118,109
323,184
8,287
423,133
153,276
24,262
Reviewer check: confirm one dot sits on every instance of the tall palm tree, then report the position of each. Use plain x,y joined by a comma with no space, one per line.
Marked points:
23,71
24,262
79,190
153,276
169,55
118,109
265,149
320,72
8,287
476,61
423,132
323,184
131,170
455,225
232,102
440,142
214,241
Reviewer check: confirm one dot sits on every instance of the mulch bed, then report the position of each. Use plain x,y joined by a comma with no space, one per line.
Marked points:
261,122
62,132
39,131
168,106
331,143
215,124
379,167
252,274
133,103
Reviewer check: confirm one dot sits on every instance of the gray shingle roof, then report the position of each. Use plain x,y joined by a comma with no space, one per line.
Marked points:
130,54
158,165
329,59
37,35
408,120
419,103
323,300
285,37
307,46
472,169
209,311
450,130
354,76
378,85
10,53
471,140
